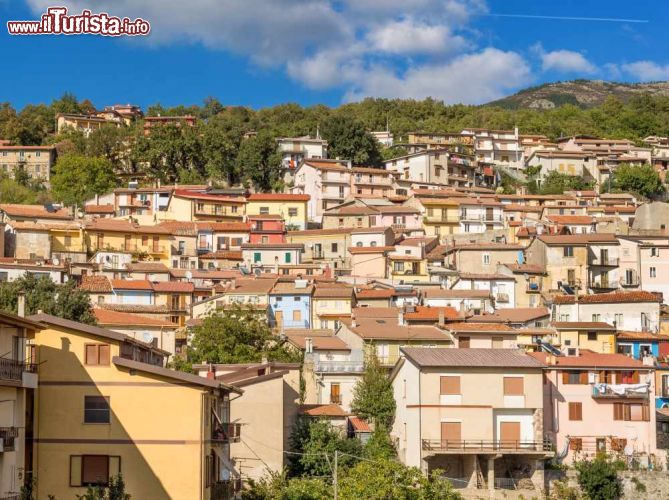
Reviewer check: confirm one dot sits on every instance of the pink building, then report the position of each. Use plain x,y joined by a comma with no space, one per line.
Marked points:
268,228
400,217
598,403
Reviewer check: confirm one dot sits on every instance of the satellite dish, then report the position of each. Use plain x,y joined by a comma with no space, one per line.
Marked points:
55,261
257,271
189,275
148,338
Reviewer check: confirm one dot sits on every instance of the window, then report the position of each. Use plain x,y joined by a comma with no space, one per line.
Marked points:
486,259
264,210
335,393
292,212
596,317
568,251
575,377
653,272
287,257
93,470
592,336
297,315
297,299
654,252
398,266
600,445
513,386
619,319
96,410
256,257
97,354
101,299
575,411
571,277
449,385
631,412
575,444
334,247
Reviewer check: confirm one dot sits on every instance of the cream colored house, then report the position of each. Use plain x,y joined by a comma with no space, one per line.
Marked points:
36,161
445,421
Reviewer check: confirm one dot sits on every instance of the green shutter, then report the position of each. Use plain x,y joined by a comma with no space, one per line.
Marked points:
256,257
287,257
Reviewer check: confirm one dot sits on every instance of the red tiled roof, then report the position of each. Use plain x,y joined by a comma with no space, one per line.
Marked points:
322,410
173,286
578,239
99,209
36,211
222,254
590,359
375,294
571,219
359,425
480,327
107,317
609,298
131,284
123,226
643,336
427,313
512,315
278,197
95,284
582,325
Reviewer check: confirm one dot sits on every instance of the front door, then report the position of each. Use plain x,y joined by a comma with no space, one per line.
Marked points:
509,434
451,435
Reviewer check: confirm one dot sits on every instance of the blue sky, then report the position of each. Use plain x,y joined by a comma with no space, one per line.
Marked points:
266,52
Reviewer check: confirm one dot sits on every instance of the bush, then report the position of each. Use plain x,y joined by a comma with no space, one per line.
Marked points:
598,479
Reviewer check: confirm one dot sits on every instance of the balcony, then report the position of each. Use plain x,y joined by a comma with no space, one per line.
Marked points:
477,446
618,391
11,369
214,211
602,284
226,433
605,262
388,360
533,287
626,281
224,490
318,254
336,179
8,436
398,227
442,219
339,366
464,216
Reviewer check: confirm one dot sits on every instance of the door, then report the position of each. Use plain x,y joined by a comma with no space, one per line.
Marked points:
279,318
156,244
489,214
451,435
604,256
463,342
127,243
335,393
509,434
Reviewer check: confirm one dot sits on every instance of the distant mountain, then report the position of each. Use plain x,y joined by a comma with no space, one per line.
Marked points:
582,93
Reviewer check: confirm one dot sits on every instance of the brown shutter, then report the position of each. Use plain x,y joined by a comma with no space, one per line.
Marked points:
575,411
95,469
618,411
583,378
91,354
576,444
451,431
509,433
513,386
627,412
103,354
645,413
565,377
635,377
449,385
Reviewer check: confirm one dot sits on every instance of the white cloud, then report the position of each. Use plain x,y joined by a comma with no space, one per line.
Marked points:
646,71
564,61
414,37
473,78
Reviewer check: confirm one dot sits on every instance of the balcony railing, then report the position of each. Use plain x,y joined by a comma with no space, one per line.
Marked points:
481,217
11,369
8,436
336,178
224,490
629,281
484,445
606,391
226,433
339,366
608,261
603,284
444,219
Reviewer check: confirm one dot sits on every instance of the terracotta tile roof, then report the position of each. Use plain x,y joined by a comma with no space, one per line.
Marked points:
289,288
193,195
512,315
375,312
99,209
317,232
335,292
578,239
647,336
374,294
609,298
222,254
359,425
29,225
590,359
526,268
322,410
438,252
131,284
95,284
389,329
246,286
427,313
36,211
107,317
399,209
571,219
123,226
320,343
137,308
582,325
470,358
480,327
440,293
617,209
416,241
173,287
278,197
147,267
364,250
179,228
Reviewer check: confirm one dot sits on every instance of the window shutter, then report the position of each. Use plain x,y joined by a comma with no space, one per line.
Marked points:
583,378
645,412
513,386
75,470
449,385
114,466
618,411
627,412
635,377
575,411
104,354
565,377
91,354
576,444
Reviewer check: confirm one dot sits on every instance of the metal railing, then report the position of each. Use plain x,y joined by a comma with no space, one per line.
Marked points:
481,217
609,261
227,432
475,444
8,436
339,366
224,490
11,369
606,392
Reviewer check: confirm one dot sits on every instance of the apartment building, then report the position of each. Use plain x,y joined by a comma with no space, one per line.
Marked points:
372,182
290,305
598,403
57,240
439,166
36,161
329,246
18,382
177,446
485,439
294,150
292,208
327,182
498,147
596,336
330,303
86,123
644,263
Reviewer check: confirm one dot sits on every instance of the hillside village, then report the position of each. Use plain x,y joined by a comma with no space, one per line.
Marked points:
520,331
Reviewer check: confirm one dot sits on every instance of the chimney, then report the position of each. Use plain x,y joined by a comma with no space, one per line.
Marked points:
353,322
211,372
309,345
462,308
441,317
400,317
22,304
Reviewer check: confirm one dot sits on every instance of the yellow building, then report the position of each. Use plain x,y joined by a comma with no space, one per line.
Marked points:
18,382
40,240
596,336
106,406
36,161
125,236
291,207
187,205
407,268
441,216
330,304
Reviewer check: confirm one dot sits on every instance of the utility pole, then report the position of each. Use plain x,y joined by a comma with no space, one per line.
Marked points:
336,492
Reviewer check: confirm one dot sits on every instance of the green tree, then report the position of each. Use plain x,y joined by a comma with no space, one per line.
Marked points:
313,443
557,183
114,491
13,192
78,178
598,478
642,180
42,294
259,162
277,486
383,479
379,445
373,397
238,335
348,140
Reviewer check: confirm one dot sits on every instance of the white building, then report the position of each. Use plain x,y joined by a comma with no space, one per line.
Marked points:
296,149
